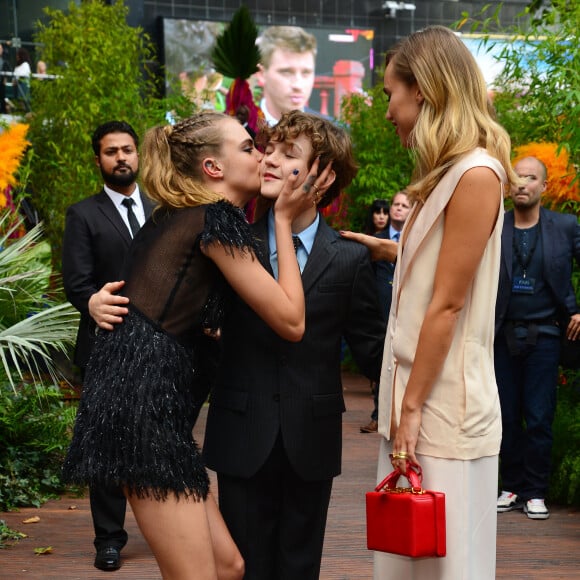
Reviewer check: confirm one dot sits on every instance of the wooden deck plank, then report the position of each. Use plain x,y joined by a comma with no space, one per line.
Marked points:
535,550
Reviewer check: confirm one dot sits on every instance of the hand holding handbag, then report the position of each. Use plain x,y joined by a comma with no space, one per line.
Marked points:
408,521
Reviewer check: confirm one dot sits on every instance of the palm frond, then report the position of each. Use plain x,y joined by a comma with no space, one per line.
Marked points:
33,324
27,346
13,251
25,272
235,53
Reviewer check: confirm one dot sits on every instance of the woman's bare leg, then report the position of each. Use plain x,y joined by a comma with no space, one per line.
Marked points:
229,561
179,536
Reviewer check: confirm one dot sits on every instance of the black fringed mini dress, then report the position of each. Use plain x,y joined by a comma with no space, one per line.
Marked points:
143,387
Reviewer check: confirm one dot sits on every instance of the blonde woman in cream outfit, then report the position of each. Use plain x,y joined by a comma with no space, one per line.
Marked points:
439,406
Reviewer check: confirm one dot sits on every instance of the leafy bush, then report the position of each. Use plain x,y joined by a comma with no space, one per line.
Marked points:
35,424
565,480
34,421
6,535
539,99
102,67
385,167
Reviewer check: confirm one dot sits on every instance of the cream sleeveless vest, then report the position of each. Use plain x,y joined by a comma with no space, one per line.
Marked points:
461,417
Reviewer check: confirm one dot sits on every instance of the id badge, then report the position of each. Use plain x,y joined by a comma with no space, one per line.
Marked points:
523,285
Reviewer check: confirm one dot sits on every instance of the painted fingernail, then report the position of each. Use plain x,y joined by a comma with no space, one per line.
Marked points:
295,172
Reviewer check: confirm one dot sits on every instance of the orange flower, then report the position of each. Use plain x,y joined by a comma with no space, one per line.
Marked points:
13,144
561,172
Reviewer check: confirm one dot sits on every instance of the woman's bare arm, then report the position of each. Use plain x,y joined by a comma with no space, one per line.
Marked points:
380,248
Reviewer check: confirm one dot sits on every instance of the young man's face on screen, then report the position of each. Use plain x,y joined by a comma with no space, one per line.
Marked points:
288,81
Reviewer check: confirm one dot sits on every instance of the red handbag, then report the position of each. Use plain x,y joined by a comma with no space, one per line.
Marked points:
409,521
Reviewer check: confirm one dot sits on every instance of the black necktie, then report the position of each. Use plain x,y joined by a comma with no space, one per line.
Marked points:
396,236
133,222
297,243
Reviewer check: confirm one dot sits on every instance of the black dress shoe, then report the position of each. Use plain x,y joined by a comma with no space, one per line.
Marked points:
108,558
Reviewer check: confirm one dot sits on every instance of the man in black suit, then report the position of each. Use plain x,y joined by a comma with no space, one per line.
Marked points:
97,235
536,304
274,427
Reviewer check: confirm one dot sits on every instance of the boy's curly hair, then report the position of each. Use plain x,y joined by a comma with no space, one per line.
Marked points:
329,141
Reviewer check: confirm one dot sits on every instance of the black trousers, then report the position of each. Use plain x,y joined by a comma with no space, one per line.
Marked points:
108,507
276,519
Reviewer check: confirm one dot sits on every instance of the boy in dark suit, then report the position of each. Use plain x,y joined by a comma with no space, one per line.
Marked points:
97,235
274,428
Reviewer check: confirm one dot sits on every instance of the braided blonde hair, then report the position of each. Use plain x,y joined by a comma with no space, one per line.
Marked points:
171,160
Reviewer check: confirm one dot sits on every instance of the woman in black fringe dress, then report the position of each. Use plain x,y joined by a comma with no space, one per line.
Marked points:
142,390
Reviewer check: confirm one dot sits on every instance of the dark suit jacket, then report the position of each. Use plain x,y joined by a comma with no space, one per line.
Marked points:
95,244
560,235
267,385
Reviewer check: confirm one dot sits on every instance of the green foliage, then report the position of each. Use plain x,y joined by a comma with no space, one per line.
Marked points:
178,105
235,53
102,68
8,535
385,167
34,433
565,480
539,90
33,324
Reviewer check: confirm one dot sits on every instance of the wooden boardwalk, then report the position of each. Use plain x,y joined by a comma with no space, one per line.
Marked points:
526,549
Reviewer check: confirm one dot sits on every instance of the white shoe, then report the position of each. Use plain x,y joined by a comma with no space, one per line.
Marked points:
508,501
536,509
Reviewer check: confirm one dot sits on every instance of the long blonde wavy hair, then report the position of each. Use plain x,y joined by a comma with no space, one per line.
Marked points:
171,160
456,115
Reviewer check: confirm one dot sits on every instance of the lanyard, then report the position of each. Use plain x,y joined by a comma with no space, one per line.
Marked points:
524,261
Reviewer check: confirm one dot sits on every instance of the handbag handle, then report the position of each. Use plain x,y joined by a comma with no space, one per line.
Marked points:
414,474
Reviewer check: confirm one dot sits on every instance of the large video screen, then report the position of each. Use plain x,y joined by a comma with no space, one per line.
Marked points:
344,63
